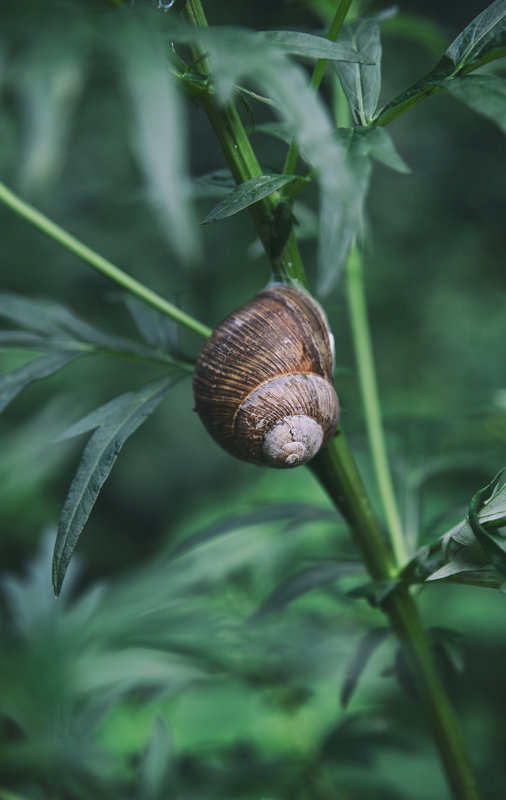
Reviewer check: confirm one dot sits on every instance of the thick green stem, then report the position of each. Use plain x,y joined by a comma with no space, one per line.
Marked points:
336,470
98,262
370,399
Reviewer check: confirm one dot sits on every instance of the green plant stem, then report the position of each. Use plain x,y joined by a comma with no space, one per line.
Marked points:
364,358
243,163
316,78
335,468
98,262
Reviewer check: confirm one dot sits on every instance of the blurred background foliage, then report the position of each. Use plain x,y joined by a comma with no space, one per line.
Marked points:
200,672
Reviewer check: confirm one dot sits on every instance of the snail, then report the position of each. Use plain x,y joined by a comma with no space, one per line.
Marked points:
263,381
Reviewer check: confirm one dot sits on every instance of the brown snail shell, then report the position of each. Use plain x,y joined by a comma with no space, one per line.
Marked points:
263,381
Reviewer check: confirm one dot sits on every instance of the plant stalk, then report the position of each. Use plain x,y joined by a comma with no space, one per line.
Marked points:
364,358
337,472
98,262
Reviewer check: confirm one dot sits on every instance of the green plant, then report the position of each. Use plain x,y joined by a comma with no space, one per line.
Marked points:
162,54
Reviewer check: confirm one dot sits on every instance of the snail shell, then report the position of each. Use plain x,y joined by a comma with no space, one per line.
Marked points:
263,381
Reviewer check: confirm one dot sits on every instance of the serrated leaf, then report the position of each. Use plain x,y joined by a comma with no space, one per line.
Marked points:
160,139
486,32
12,383
485,94
304,581
306,44
366,647
246,194
361,83
116,421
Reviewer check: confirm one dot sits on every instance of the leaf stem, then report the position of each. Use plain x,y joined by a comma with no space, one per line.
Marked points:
357,305
316,78
98,262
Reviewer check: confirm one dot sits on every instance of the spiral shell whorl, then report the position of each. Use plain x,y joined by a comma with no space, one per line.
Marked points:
265,368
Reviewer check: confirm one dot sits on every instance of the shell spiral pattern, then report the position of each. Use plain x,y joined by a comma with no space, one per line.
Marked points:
263,381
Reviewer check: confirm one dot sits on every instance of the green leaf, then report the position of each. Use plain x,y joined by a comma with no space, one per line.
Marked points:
472,553
377,142
115,422
361,83
485,94
45,316
306,44
157,763
304,581
158,329
12,383
341,216
278,130
298,513
375,592
48,78
57,327
485,33
366,647
219,182
341,211
246,194
493,544
160,138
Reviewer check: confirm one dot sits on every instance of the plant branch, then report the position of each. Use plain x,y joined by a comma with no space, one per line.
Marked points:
98,262
316,78
370,399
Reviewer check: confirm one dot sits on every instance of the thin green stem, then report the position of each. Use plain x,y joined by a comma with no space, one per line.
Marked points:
357,305
316,78
98,262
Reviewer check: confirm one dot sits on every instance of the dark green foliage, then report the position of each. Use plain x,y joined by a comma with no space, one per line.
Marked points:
216,637
114,423
246,194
